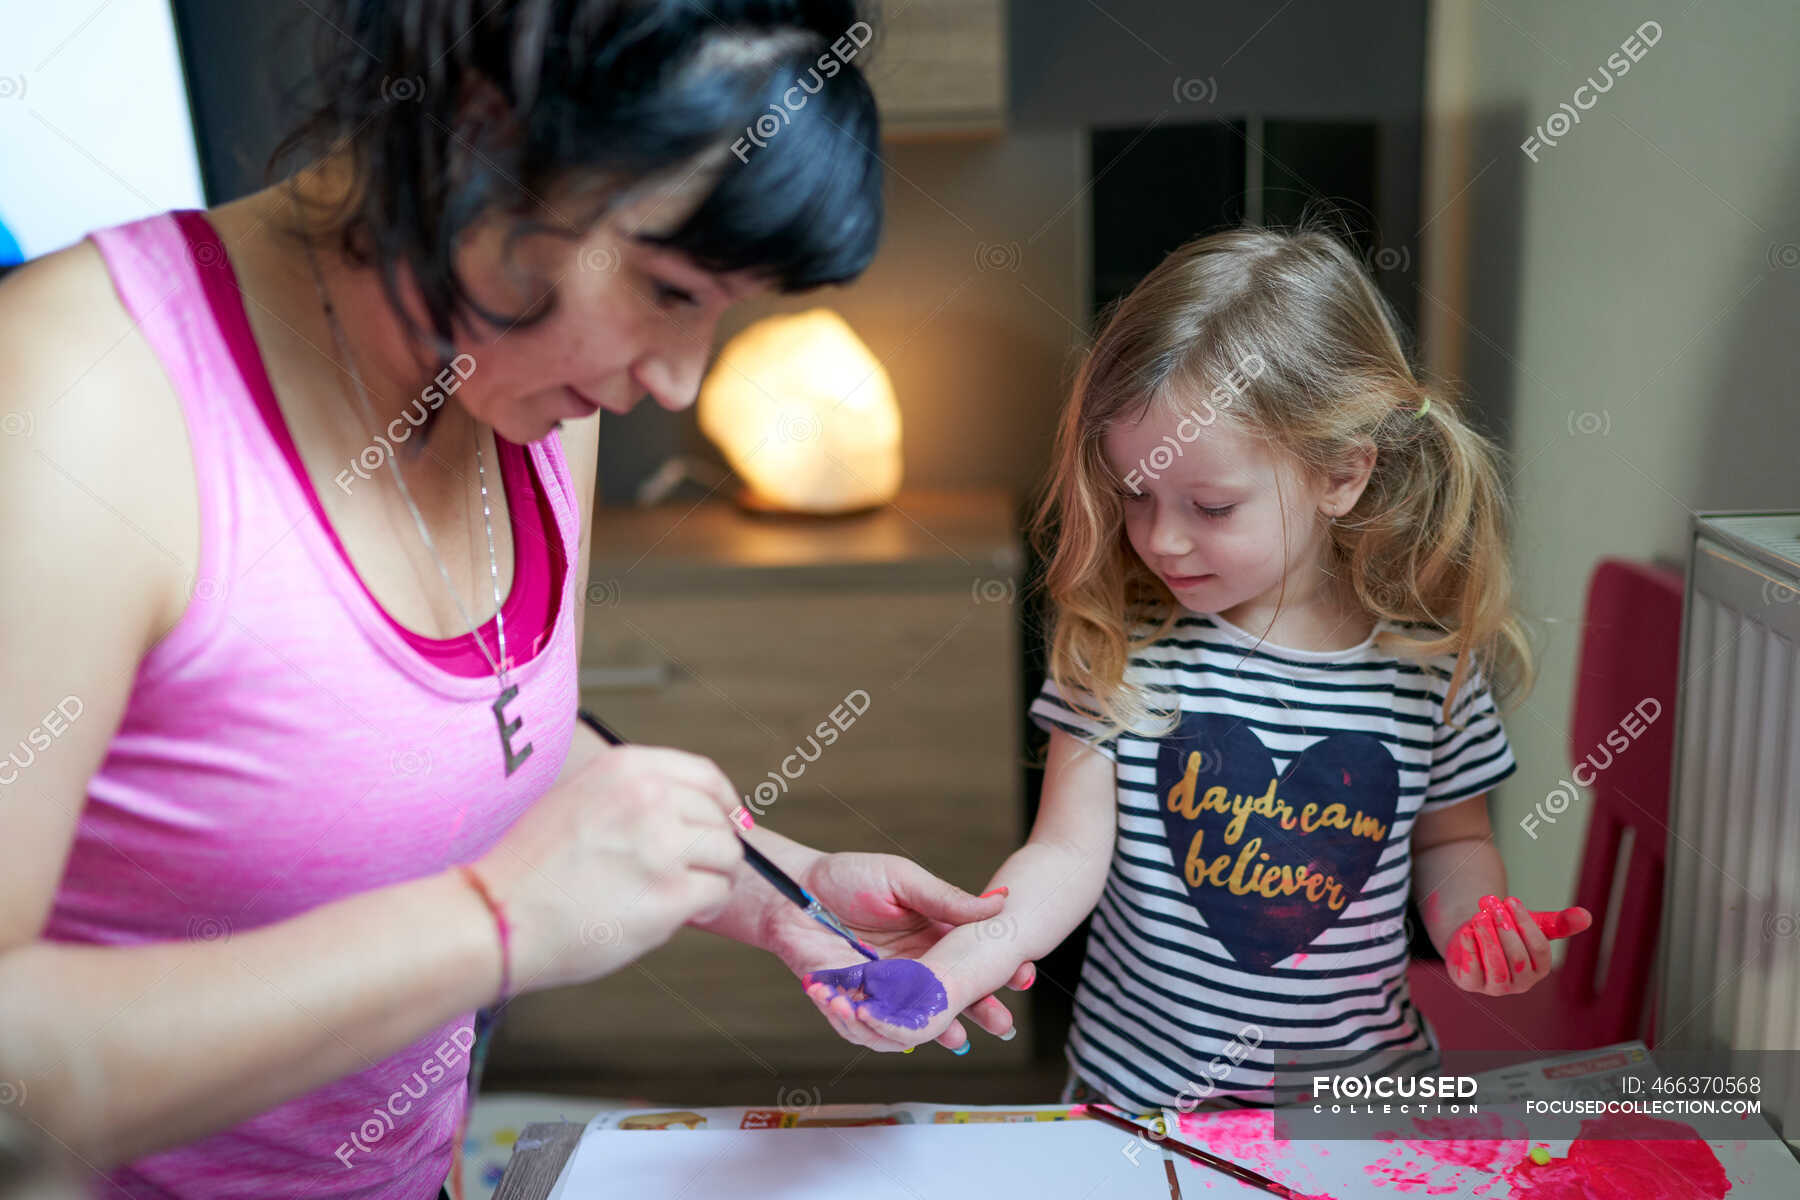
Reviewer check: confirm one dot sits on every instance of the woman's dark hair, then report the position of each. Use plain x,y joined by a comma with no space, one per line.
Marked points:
452,110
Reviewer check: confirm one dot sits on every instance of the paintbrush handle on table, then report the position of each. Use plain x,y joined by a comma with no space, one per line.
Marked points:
777,878
1222,1165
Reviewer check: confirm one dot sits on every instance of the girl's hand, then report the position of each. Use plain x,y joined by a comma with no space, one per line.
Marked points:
611,861
896,1004
1505,948
900,910
892,1004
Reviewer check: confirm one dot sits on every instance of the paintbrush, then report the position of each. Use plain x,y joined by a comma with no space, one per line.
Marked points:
1222,1165
777,878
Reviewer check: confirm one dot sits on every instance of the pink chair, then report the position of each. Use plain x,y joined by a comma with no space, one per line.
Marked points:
1630,649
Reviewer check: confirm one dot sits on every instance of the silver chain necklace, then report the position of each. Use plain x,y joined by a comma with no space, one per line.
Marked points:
508,690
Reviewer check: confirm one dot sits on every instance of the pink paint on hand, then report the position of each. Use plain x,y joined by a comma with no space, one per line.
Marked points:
1567,923
1462,955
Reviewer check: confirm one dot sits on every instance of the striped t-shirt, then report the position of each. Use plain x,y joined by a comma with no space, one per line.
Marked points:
1252,928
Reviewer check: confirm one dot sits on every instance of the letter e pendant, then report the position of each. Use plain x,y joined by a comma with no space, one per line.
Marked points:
506,731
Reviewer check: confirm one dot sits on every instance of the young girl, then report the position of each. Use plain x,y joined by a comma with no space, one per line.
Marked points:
1277,572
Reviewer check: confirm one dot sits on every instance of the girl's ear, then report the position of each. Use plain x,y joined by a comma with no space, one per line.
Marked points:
1345,483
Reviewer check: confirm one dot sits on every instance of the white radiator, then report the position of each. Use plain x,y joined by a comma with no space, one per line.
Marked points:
1729,975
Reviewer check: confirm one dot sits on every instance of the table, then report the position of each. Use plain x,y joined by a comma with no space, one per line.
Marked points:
538,1158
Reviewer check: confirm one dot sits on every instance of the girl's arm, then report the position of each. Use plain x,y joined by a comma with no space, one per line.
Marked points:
1052,883
1491,945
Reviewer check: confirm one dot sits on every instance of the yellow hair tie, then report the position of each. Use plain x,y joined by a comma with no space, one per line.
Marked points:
1423,408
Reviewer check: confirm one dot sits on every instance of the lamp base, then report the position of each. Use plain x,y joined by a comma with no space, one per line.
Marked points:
756,504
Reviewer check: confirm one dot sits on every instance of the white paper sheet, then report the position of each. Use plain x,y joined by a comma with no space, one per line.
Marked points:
1063,1160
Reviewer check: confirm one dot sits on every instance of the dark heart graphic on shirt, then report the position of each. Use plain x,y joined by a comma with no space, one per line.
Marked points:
1272,862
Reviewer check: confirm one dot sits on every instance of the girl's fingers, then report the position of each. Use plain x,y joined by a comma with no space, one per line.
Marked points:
1512,946
1024,977
1537,946
820,995
1567,923
851,1022
992,1016
1465,960
1493,958
838,1010
954,1039
854,1022
879,1035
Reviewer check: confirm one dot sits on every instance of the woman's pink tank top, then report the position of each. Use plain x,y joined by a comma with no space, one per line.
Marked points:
288,743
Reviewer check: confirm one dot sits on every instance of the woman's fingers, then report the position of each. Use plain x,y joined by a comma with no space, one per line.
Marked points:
1024,977
954,1039
712,847
692,770
920,891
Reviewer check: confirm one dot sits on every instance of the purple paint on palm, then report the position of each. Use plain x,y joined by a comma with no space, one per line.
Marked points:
898,991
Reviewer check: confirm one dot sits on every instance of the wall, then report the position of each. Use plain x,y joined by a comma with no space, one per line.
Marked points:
980,355
1627,301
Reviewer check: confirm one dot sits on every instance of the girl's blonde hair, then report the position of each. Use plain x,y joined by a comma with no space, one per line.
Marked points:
1286,335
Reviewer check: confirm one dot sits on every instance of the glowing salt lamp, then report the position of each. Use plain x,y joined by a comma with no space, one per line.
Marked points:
805,415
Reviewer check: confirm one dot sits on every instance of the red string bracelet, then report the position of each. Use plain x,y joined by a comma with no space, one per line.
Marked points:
487,898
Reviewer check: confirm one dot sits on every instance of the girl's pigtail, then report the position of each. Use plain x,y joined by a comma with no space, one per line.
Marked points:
1426,544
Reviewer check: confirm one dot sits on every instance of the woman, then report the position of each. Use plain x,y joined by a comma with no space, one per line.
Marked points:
270,465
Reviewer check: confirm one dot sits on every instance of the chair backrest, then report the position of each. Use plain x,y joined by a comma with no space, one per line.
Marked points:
1622,744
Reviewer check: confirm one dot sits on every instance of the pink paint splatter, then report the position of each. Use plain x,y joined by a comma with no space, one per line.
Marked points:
1244,1136
1453,1155
1477,1141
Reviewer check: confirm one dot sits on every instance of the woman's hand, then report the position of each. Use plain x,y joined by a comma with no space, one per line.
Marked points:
1504,949
900,910
610,862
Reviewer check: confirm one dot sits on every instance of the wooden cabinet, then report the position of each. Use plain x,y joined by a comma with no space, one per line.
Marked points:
938,68
736,636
